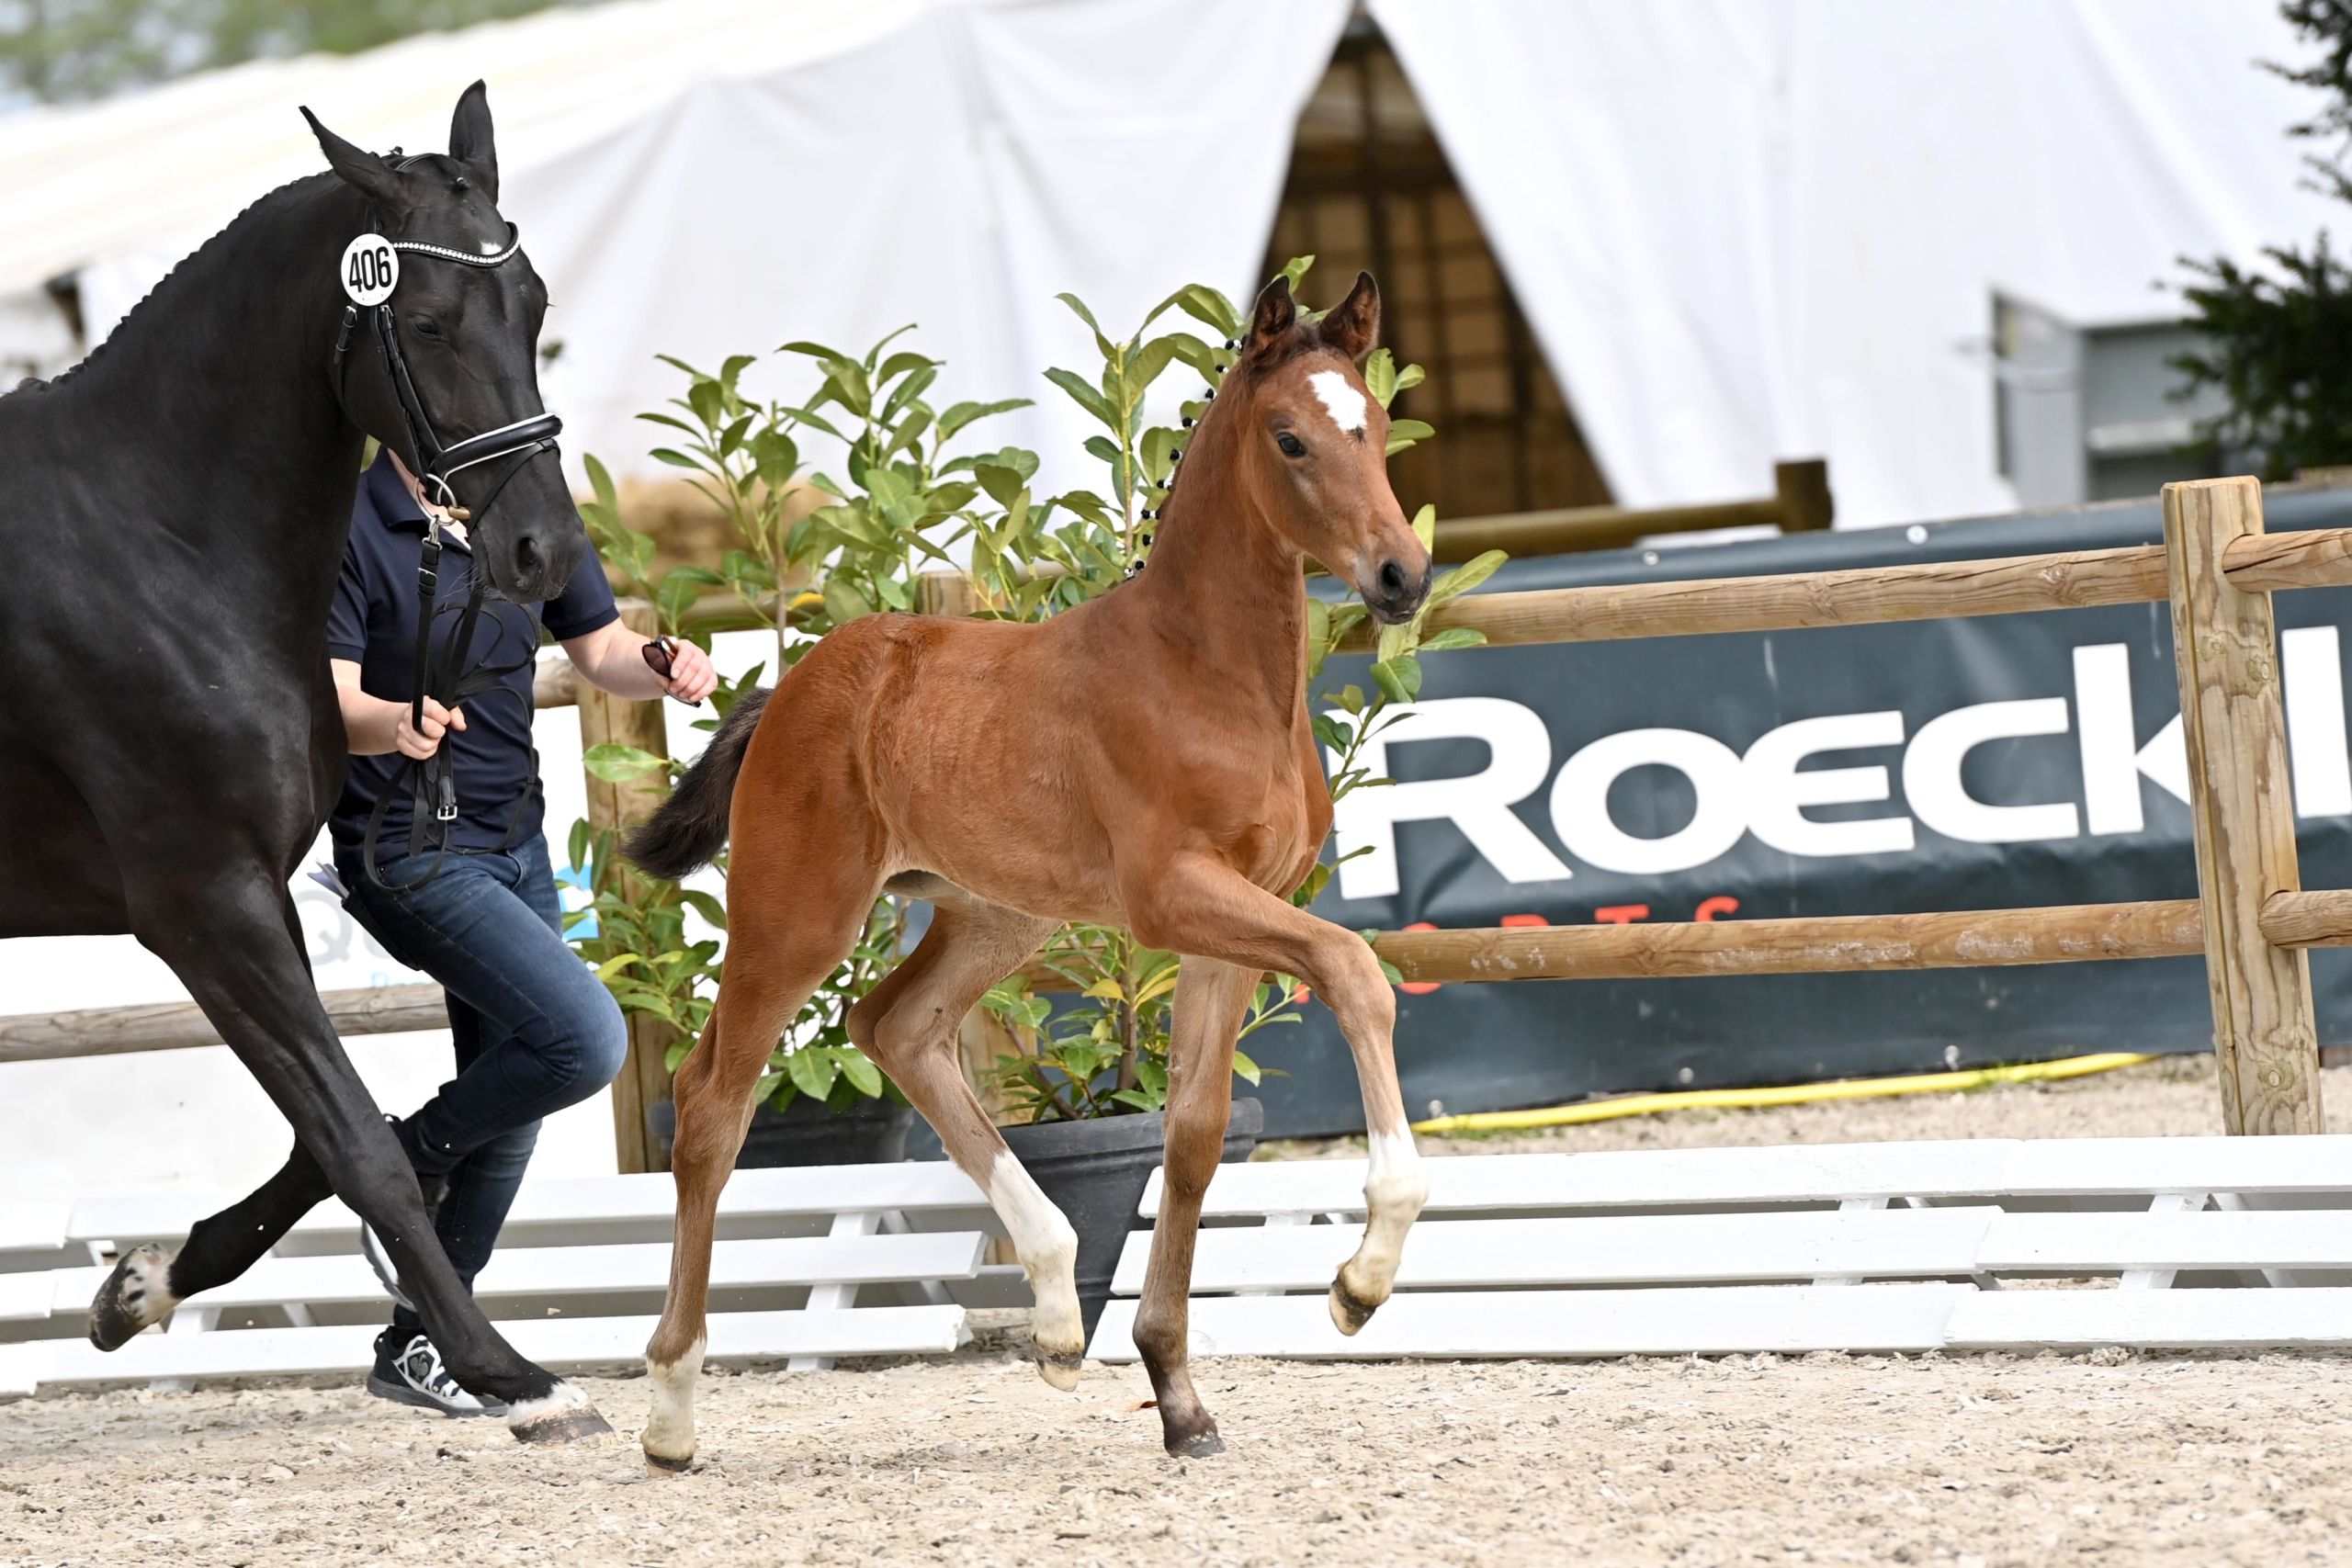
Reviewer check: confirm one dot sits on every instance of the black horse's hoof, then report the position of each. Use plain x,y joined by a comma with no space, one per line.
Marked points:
1350,1312
669,1466
1199,1445
565,1417
134,1296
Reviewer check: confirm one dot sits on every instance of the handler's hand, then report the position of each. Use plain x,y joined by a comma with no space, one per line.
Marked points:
691,676
438,721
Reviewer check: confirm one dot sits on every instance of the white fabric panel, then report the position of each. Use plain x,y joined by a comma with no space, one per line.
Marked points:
1748,228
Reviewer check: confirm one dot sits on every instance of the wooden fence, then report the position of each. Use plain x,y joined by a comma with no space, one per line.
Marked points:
2252,919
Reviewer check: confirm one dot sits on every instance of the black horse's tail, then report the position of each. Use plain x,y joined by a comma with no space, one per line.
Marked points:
691,825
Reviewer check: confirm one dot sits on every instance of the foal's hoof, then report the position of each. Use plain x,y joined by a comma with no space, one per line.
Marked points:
133,1296
668,1466
1350,1311
563,1416
1061,1370
1198,1445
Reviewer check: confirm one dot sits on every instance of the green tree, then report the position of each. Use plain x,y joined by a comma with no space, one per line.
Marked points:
2278,336
71,51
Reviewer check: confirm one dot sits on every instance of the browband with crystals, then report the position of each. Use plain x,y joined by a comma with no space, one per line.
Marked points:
513,243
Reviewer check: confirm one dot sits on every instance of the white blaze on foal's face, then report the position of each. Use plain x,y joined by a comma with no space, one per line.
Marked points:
1349,407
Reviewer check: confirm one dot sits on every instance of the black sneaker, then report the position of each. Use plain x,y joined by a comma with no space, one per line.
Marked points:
412,1374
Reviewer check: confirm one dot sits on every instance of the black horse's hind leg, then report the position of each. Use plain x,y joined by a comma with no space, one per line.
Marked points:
225,935
218,1249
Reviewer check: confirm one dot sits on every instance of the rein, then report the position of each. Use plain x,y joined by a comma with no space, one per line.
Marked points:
433,786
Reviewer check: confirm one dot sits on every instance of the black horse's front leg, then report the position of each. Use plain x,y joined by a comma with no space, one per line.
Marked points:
226,938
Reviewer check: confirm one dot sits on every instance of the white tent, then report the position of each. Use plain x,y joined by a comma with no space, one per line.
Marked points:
1742,229
704,178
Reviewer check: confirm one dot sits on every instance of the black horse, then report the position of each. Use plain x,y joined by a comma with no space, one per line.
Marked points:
172,514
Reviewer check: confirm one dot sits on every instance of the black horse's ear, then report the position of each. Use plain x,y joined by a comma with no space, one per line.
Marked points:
1353,324
1276,314
362,170
470,142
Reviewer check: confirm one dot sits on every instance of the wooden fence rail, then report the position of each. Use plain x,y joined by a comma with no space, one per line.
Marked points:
2252,918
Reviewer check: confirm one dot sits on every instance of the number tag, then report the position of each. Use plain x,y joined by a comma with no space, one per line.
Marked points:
372,269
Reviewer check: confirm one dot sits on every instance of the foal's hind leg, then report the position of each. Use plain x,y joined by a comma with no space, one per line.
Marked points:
907,1024
783,940
1212,1000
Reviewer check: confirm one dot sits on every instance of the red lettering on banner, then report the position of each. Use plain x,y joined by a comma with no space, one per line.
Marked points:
1622,914
1525,921
1715,908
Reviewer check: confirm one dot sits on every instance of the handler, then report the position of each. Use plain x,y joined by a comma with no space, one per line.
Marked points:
534,1030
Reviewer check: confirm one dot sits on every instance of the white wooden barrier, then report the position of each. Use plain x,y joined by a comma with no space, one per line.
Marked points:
576,1269
1858,1247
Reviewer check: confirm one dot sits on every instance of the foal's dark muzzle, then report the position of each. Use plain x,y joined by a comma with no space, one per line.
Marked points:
1397,590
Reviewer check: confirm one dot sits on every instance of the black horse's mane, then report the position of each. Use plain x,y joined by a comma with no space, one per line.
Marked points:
135,318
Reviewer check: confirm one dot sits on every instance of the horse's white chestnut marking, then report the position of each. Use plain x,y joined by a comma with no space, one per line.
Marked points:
1347,406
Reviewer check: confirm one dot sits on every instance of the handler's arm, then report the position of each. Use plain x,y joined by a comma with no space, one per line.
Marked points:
611,658
372,727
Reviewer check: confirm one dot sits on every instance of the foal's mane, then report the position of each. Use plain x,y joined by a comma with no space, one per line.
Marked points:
140,316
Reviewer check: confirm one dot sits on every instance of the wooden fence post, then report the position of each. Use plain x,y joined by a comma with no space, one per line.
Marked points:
2266,1033
645,1077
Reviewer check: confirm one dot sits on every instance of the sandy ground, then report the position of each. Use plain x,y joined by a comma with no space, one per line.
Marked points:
1965,1460
1969,1461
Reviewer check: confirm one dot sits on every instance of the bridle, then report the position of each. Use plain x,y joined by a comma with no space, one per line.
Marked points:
432,784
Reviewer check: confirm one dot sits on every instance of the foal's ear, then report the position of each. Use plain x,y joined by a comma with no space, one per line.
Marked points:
1276,317
470,142
1353,324
362,170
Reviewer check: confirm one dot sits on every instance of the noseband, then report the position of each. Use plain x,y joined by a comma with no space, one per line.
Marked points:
433,785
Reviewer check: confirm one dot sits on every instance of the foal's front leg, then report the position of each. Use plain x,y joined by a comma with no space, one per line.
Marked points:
1193,904
1211,999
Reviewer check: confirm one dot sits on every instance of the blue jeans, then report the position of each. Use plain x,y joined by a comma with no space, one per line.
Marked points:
536,1030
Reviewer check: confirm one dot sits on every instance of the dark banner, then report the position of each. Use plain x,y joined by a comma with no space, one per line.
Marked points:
1962,764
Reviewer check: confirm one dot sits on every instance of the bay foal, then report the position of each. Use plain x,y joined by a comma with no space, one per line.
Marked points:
983,766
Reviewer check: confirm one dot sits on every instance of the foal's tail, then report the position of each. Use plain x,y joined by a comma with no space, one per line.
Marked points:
691,825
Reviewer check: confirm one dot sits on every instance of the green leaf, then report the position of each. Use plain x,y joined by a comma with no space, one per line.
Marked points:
1399,677
1086,396
1405,433
677,459
615,763
843,602
862,1074
1245,1069
1466,576
958,415
1425,527
812,1070
602,483
1295,268
1078,307
1451,638
1380,376
703,904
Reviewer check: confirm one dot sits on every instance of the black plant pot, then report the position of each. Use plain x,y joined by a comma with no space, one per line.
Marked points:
871,1132
1095,1173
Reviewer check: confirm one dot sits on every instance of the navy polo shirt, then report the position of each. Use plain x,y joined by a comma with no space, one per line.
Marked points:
373,623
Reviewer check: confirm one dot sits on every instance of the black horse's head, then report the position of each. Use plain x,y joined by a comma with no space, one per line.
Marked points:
465,334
